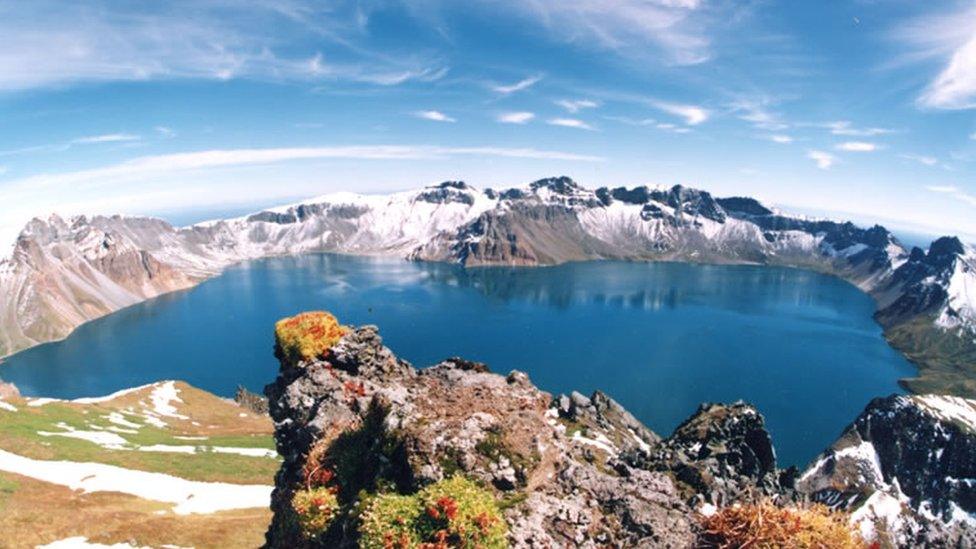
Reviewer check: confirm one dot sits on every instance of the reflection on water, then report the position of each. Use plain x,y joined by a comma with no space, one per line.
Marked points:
658,337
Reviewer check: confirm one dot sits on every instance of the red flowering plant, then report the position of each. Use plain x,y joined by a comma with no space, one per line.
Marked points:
455,512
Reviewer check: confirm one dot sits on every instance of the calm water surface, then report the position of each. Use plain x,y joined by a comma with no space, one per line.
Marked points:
658,337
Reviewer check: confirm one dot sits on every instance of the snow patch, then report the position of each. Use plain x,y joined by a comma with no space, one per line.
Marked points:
81,542
949,408
187,496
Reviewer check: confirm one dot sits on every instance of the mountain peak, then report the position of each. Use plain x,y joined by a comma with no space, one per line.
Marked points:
459,185
947,245
561,184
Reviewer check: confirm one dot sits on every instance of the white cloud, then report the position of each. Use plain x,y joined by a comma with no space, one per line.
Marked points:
946,41
574,106
955,85
106,138
671,127
178,162
515,117
857,146
523,84
954,192
692,114
824,160
165,132
649,122
844,127
436,116
59,42
921,159
755,112
670,30
781,139
569,123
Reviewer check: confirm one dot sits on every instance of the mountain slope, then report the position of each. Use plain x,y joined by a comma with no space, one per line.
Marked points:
164,464
65,272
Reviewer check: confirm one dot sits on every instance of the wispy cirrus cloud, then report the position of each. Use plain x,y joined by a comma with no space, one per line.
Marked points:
674,30
953,191
570,123
782,139
106,138
435,116
921,159
522,117
692,114
846,128
524,84
650,123
946,39
757,113
857,146
823,159
180,162
58,42
576,105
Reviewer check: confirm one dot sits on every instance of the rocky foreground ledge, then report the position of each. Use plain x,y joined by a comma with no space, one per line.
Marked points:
380,454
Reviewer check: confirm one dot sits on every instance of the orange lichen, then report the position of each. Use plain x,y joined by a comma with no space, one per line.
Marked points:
307,336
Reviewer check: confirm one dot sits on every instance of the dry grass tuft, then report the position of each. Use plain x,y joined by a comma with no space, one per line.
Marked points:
766,526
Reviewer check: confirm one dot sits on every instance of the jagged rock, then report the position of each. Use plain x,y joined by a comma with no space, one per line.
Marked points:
906,467
722,454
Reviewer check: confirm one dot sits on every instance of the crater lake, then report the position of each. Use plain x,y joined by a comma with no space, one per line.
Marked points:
660,338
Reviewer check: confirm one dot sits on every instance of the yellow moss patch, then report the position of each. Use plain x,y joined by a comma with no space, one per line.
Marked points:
766,526
307,336
315,507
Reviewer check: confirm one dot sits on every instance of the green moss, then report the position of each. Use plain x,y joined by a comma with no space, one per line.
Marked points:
306,336
454,512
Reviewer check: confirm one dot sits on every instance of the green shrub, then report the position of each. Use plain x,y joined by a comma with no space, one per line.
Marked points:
315,509
307,336
454,512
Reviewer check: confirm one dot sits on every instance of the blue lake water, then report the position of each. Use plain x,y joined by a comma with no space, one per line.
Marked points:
658,337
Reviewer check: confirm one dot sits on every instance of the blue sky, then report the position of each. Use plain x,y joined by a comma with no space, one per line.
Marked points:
859,109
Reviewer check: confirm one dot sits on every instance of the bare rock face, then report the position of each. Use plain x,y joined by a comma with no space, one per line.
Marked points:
556,468
906,468
721,455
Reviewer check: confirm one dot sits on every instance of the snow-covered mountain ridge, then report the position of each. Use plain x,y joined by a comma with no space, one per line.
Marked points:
65,272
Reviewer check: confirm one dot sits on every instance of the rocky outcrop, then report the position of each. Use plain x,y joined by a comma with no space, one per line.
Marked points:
556,465
906,467
721,455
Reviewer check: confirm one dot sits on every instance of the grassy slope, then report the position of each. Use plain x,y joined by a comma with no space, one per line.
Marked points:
946,360
33,512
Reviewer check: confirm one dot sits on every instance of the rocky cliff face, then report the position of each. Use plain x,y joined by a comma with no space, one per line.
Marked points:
907,468
65,272
581,471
